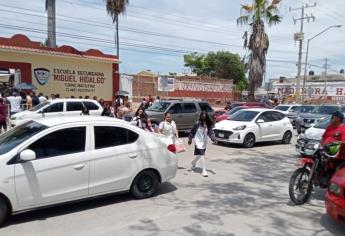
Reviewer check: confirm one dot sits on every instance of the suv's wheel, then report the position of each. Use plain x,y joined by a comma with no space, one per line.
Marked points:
249,141
145,184
3,211
287,137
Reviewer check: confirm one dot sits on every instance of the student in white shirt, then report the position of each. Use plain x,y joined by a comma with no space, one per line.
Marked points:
15,102
199,132
168,127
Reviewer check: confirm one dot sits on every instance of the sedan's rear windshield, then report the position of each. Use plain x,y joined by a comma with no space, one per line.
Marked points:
159,106
39,106
282,108
18,135
244,115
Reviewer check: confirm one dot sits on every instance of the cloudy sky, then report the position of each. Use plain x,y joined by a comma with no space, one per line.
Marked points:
155,34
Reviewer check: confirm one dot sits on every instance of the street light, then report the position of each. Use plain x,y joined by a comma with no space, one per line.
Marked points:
307,54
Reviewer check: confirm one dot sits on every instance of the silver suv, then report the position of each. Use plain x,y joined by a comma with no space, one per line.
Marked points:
184,112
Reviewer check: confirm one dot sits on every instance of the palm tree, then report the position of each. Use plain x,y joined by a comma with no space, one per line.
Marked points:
114,9
50,9
255,15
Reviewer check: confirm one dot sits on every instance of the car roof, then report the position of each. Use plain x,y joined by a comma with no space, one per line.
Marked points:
54,121
260,109
72,100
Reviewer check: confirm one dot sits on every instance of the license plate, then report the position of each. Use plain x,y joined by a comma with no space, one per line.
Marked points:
221,135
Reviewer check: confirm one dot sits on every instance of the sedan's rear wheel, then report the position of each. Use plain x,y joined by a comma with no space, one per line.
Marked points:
3,211
145,185
249,141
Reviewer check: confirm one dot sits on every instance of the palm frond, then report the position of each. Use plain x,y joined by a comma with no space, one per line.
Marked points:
275,19
248,8
116,7
242,20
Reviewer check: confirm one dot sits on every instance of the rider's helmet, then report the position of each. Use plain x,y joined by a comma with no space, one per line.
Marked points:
332,149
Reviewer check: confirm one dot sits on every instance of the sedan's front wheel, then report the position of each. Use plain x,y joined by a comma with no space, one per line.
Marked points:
249,141
145,184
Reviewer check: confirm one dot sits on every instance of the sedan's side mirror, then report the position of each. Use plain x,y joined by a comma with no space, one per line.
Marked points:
260,121
27,155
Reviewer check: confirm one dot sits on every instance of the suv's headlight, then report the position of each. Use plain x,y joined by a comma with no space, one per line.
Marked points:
334,188
312,146
242,127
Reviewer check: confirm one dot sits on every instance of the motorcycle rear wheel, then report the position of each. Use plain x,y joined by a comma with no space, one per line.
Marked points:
299,182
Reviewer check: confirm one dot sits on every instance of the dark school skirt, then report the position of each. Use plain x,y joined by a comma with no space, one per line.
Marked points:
199,152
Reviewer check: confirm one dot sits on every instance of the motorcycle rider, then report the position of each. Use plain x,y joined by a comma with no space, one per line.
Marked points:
335,132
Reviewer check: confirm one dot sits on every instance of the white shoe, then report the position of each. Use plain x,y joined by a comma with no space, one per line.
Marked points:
193,165
204,173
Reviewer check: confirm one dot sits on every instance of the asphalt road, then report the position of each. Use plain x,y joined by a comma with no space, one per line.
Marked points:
246,193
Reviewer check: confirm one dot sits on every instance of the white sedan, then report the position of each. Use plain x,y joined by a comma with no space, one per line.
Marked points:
56,160
251,126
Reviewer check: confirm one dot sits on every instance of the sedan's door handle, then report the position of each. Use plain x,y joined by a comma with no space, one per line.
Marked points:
133,156
79,167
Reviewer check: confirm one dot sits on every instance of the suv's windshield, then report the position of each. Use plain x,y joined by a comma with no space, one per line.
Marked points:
323,123
282,108
18,135
305,109
159,106
39,106
328,110
244,115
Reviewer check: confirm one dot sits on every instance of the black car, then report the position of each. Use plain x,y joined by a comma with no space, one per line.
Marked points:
292,115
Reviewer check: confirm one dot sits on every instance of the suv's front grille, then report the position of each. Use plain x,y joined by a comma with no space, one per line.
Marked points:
222,133
310,121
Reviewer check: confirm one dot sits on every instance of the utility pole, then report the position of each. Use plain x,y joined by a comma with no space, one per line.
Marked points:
300,37
326,70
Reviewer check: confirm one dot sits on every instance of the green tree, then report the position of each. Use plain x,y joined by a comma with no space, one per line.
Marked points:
115,8
221,64
50,9
255,15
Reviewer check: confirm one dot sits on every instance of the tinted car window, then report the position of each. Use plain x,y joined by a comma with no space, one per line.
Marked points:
277,116
328,110
294,108
176,108
159,106
282,108
61,142
74,106
205,107
244,115
56,107
305,109
18,135
266,116
189,108
39,106
91,106
107,136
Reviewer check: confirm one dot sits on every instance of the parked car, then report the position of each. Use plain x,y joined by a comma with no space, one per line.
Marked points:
306,120
292,115
312,134
228,114
250,126
218,113
184,112
57,108
335,197
56,160
286,108
237,104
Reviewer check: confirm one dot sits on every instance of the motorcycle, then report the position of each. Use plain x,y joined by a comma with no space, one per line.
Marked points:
317,168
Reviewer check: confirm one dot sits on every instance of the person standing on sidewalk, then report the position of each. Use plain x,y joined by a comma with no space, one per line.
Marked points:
3,115
199,132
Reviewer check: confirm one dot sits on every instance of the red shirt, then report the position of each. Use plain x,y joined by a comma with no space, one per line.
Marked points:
328,137
3,112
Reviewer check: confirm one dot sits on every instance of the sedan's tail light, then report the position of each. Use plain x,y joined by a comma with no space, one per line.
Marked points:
172,148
